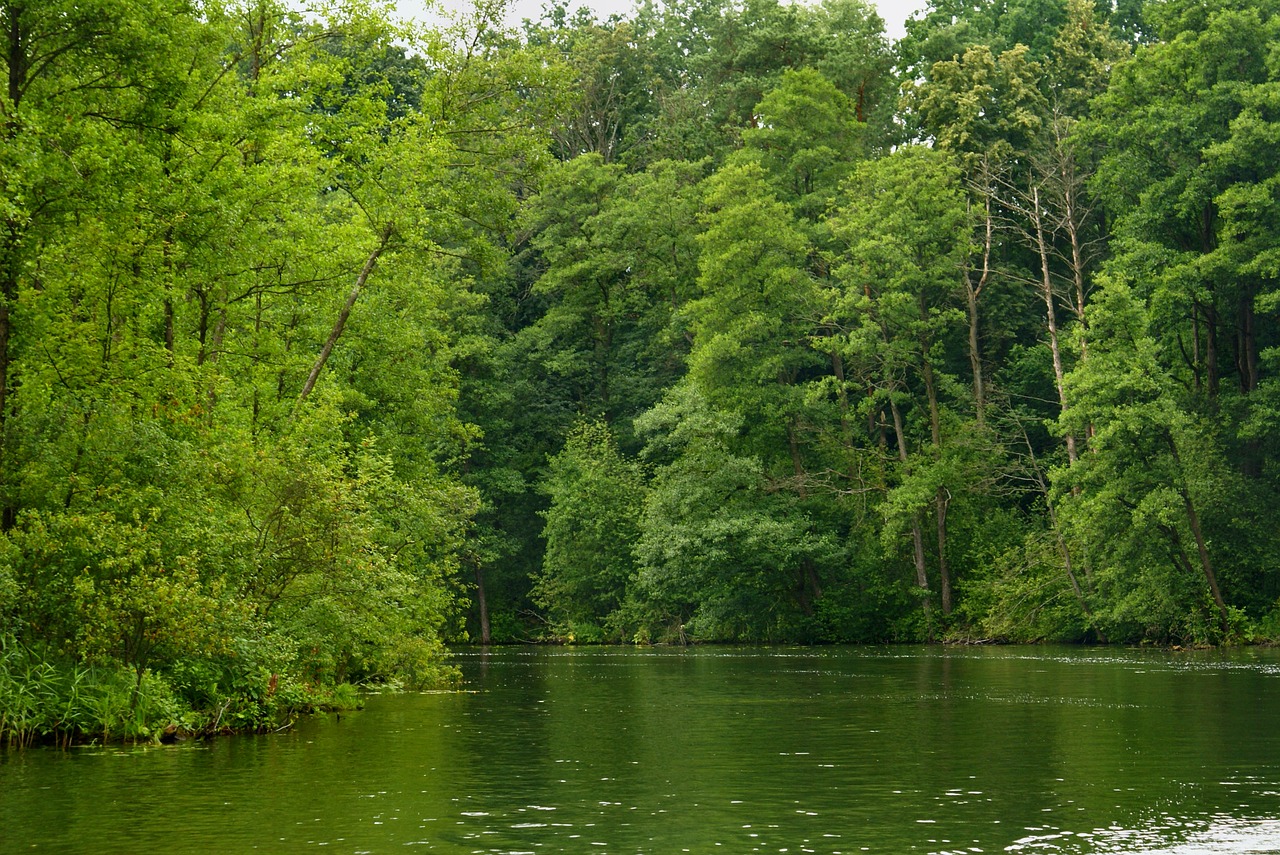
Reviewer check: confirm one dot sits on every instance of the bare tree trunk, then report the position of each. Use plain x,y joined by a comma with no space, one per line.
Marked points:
1194,519
973,292
1046,288
1065,552
1077,272
975,360
341,323
1074,214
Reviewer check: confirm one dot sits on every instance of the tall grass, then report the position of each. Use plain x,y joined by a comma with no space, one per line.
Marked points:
45,699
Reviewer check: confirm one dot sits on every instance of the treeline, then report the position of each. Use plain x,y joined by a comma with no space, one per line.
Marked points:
237,266
325,339
969,336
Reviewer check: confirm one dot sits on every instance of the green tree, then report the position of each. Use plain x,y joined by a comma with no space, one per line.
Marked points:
807,138
1154,467
723,553
902,236
1180,124
592,526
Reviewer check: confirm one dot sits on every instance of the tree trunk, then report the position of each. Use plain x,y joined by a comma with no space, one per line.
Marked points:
1210,348
809,586
219,330
797,462
922,576
1195,348
1248,346
9,267
1061,541
931,394
483,603
1251,458
975,360
18,64
1193,519
1046,288
917,536
168,328
1065,552
602,332
1077,280
256,360
941,501
4,358
842,399
17,58
1074,215
943,497
973,292
341,323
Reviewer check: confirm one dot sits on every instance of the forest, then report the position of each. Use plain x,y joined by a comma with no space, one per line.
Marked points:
328,340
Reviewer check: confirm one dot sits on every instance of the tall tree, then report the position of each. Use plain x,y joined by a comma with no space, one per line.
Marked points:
903,233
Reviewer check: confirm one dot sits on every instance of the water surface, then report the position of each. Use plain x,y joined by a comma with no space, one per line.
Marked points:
735,750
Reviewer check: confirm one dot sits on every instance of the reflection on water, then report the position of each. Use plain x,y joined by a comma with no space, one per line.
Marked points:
1217,834
832,750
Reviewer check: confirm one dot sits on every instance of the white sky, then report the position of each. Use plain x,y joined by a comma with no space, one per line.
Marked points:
894,12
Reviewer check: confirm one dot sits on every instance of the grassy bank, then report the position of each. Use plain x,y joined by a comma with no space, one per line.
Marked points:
46,699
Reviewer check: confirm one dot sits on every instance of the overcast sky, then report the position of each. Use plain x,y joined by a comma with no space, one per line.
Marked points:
894,12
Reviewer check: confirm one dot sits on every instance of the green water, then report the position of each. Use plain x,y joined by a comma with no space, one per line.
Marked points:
849,750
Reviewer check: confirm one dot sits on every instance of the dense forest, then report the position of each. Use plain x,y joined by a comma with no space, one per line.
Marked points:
327,340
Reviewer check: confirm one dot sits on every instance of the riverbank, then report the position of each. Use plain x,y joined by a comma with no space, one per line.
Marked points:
47,701
1053,749
50,702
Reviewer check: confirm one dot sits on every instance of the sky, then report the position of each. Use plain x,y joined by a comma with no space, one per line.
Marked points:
894,12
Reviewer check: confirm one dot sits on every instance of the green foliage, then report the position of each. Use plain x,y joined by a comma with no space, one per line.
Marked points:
325,341
236,281
980,103
1174,383
55,699
592,524
722,554
1019,591
807,139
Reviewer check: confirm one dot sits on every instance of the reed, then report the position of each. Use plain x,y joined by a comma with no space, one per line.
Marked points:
46,699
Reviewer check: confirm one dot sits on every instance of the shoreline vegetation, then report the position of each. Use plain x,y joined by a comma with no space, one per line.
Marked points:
66,705
46,702
328,340
44,705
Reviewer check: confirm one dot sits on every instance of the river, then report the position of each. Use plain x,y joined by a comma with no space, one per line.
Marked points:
734,750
